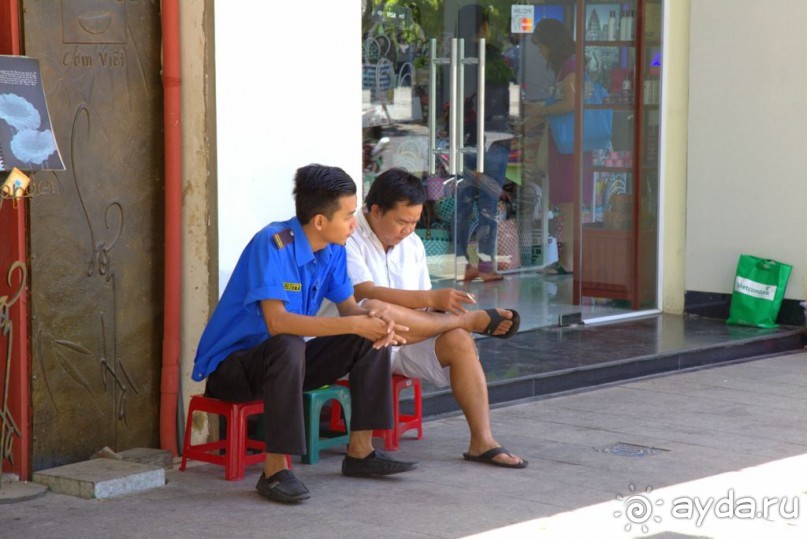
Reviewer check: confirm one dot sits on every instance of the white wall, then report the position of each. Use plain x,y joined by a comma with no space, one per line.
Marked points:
288,93
747,131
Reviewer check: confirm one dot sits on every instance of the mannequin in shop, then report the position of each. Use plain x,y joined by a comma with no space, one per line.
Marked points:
387,262
558,48
481,191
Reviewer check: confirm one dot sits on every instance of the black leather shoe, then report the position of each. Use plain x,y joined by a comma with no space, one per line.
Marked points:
282,487
376,463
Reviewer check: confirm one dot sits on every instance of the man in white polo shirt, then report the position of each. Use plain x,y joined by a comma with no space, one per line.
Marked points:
386,261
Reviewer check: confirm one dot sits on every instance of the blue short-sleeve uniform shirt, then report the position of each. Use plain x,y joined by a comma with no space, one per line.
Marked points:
276,264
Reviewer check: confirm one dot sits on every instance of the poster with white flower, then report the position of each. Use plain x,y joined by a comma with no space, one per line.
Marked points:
26,138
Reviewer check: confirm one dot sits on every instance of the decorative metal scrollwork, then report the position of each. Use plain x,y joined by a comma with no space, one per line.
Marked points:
8,426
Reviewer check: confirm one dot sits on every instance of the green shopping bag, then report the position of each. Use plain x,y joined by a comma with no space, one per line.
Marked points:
759,289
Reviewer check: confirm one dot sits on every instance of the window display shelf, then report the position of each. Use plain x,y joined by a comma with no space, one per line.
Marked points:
615,106
601,43
609,169
617,255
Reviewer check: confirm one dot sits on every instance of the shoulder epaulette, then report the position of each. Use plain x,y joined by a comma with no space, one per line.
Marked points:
283,238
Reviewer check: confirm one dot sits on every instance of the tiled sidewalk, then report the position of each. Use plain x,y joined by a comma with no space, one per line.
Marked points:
695,435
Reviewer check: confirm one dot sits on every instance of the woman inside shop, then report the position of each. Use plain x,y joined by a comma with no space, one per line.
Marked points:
555,43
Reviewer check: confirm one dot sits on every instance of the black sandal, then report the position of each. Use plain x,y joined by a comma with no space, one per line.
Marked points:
488,456
496,319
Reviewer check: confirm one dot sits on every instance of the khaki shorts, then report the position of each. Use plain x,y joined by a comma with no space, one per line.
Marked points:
420,361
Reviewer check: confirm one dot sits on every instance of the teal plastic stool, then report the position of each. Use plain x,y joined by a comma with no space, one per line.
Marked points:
317,439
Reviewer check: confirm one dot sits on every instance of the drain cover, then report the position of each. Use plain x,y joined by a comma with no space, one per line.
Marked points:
622,449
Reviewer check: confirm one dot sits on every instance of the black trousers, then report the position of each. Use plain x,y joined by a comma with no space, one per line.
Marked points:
279,369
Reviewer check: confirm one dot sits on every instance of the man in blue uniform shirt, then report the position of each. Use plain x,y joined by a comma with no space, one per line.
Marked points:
253,346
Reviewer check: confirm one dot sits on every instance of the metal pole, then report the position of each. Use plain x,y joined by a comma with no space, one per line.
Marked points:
480,110
432,105
452,137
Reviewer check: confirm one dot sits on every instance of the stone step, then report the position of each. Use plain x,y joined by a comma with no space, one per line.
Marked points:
101,478
555,360
143,455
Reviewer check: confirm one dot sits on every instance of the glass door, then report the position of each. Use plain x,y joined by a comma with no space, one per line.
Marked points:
517,223
425,107
397,104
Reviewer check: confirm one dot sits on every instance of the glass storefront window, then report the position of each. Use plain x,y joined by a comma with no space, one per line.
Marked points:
546,228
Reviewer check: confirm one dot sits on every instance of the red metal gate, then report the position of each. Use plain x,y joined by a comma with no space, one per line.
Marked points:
15,418
15,364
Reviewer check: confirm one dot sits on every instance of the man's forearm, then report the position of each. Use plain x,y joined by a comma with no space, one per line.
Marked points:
310,326
413,299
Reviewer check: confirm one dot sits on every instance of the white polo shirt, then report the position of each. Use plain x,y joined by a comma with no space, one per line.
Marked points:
368,261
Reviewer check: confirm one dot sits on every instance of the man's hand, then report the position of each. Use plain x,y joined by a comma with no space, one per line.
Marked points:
451,300
380,311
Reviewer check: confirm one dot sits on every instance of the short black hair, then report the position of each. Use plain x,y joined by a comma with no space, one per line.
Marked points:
554,35
317,190
393,186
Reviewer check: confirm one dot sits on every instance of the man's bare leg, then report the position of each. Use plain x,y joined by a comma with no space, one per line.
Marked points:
360,445
456,349
273,463
426,324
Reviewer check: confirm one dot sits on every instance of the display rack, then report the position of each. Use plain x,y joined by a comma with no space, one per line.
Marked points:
617,229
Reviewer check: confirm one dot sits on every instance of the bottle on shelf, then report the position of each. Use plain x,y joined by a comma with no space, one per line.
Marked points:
627,90
612,26
629,27
623,22
651,91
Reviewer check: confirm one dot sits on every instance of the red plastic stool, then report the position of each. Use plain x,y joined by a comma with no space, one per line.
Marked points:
401,422
235,443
